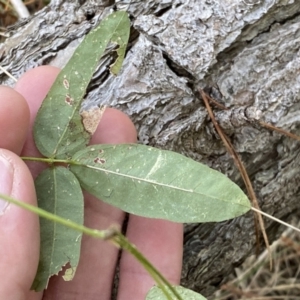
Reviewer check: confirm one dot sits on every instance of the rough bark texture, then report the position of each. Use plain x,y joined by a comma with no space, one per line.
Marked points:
244,53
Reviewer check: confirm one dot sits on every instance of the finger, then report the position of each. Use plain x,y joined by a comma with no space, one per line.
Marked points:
161,242
14,120
95,272
34,86
41,79
19,249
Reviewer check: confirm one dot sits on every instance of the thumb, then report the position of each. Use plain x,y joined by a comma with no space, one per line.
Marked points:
19,229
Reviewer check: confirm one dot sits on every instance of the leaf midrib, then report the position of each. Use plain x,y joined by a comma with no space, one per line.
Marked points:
158,184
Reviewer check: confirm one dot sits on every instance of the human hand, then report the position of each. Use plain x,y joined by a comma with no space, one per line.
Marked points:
160,241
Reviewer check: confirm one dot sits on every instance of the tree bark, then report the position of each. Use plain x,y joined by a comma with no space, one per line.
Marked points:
243,53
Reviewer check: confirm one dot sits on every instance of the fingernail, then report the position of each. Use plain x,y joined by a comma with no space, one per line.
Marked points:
6,181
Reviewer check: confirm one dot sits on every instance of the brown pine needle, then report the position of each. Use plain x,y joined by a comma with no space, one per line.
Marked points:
242,170
216,103
282,131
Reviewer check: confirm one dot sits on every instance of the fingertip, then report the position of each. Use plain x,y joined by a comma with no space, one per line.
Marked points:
14,119
19,243
34,86
35,83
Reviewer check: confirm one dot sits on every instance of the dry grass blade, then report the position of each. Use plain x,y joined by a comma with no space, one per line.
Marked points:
20,8
8,74
12,10
275,219
253,279
241,168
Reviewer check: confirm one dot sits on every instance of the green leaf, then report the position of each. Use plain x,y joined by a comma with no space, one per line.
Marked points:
158,184
58,192
58,129
157,294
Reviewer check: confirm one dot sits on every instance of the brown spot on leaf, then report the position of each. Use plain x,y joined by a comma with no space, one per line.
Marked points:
99,160
72,126
91,118
66,84
69,100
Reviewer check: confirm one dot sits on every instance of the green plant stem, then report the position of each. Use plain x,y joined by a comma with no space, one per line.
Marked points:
51,161
44,214
162,282
111,234
47,160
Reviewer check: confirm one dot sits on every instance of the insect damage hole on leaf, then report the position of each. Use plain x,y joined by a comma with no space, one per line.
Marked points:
91,118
